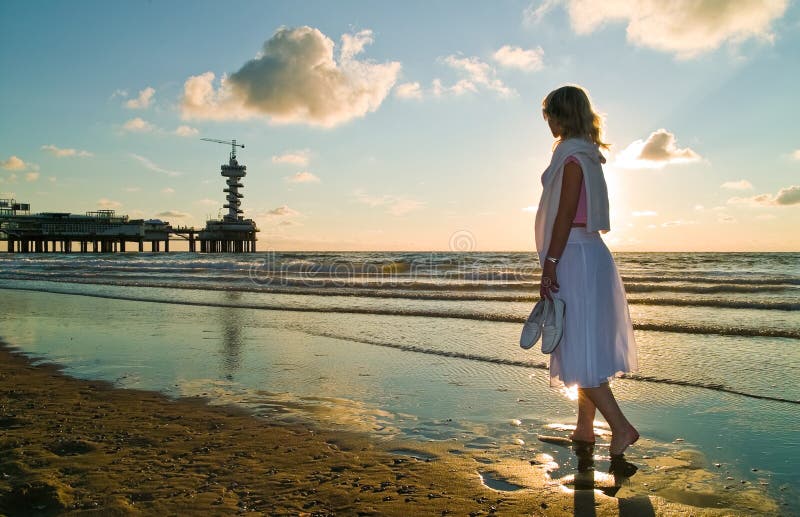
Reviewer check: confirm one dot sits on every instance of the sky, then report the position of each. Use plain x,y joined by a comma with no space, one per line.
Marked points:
408,125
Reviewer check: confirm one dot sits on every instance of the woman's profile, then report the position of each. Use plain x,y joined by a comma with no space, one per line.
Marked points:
597,342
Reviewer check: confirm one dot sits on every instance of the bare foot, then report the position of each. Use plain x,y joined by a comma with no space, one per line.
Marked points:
623,440
587,438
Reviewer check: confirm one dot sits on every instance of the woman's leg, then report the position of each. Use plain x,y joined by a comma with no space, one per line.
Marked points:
623,434
584,430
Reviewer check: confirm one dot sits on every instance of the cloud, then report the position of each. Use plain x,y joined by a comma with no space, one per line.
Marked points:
788,196
154,167
133,189
167,190
295,78
282,211
796,154
208,202
678,222
644,213
725,218
108,204
534,13
302,177
658,151
408,91
394,205
61,153
142,101
516,57
280,216
737,185
13,163
138,125
478,74
685,28
173,214
531,208
785,197
31,176
186,131
300,157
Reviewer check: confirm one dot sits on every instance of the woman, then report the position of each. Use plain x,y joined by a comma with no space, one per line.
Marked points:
597,343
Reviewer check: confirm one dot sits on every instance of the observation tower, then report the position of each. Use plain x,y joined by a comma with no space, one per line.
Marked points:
233,233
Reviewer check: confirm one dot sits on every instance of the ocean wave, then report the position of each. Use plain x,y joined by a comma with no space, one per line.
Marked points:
386,282
473,316
377,291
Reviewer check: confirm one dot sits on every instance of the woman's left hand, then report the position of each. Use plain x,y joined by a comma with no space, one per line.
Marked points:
549,282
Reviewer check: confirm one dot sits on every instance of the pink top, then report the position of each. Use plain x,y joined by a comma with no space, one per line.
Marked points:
580,213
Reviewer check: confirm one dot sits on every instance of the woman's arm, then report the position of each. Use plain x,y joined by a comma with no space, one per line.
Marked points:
567,206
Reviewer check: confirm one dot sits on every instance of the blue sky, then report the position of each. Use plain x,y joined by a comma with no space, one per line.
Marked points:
426,129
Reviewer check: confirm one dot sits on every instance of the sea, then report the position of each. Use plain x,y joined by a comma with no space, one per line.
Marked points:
425,346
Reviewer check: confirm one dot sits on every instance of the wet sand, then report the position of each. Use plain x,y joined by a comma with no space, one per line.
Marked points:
71,446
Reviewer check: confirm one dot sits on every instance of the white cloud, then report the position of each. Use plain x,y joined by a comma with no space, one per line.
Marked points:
408,91
60,153
296,79
516,57
108,204
796,154
13,163
478,74
300,157
154,167
531,208
280,216
142,101
133,189
685,28
534,13
766,217
656,152
186,131
394,205
208,202
119,93
138,125
167,190
31,176
302,177
678,222
175,214
644,213
785,197
737,185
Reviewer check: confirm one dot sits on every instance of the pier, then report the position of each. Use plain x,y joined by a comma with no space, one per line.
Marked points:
103,231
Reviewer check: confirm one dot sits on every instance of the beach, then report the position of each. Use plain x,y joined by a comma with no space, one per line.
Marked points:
72,446
179,390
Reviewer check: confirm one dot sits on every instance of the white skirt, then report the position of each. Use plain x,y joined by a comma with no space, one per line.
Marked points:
597,343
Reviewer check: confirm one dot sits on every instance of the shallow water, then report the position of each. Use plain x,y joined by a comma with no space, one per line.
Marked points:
445,369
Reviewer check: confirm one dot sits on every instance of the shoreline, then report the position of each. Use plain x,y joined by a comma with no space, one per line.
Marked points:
81,446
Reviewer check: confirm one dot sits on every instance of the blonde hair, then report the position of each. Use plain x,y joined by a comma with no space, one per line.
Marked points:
571,109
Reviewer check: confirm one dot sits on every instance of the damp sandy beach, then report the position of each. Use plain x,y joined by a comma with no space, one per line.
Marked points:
83,447
193,385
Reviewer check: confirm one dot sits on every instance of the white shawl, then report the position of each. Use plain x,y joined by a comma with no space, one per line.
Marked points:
590,159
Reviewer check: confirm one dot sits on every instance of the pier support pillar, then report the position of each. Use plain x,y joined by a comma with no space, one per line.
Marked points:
166,245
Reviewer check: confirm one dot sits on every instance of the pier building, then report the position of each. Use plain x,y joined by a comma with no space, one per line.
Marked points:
103,231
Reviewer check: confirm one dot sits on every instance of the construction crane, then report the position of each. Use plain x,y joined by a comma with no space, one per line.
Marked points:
231,143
